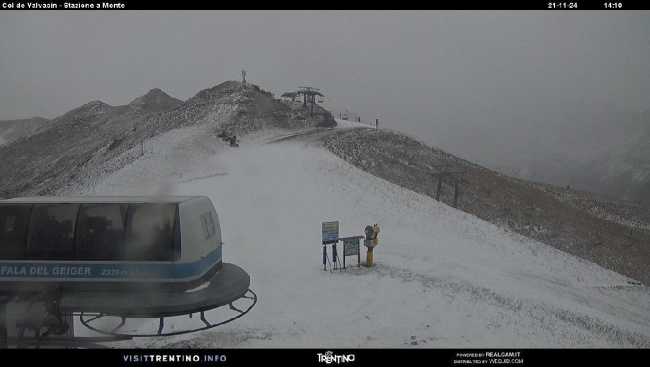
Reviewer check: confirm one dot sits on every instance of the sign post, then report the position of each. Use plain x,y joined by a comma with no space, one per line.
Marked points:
351,247
330,232
330,235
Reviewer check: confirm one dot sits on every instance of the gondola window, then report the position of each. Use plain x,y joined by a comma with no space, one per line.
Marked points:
208,225
150,232
13,230
52,230
101,231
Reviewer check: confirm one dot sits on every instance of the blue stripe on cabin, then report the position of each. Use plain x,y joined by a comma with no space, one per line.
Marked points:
73,270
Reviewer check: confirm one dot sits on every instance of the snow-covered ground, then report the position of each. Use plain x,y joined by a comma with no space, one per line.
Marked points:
443,278
346,123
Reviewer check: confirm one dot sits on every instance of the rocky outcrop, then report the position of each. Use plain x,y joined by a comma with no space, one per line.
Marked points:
613,234
12,130
96,132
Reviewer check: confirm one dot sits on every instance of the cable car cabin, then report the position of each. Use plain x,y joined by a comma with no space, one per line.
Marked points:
88,248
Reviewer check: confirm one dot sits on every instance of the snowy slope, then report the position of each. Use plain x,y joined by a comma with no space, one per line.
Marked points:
443,278
345,123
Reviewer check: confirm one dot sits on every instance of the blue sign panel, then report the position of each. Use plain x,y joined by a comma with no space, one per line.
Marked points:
330,231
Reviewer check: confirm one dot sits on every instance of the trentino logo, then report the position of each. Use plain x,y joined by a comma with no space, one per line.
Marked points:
329,357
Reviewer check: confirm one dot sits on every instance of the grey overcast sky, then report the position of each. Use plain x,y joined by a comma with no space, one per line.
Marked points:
487,85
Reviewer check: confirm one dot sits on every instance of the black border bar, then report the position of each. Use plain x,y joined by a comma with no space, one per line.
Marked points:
336,357
549,5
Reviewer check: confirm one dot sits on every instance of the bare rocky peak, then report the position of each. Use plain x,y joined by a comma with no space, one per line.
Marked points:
87,111
95,106
239,108
224,89
155,100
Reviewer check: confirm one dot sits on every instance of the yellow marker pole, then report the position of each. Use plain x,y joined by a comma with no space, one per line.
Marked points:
369,257
374,242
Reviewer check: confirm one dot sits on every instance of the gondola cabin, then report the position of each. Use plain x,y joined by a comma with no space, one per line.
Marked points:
117,255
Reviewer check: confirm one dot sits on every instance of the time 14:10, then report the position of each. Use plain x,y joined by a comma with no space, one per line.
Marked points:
612,5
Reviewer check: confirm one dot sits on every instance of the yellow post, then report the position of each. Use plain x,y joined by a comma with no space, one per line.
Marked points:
369,257
374,242
375,237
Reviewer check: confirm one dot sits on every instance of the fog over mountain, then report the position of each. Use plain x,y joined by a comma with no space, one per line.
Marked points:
556,97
